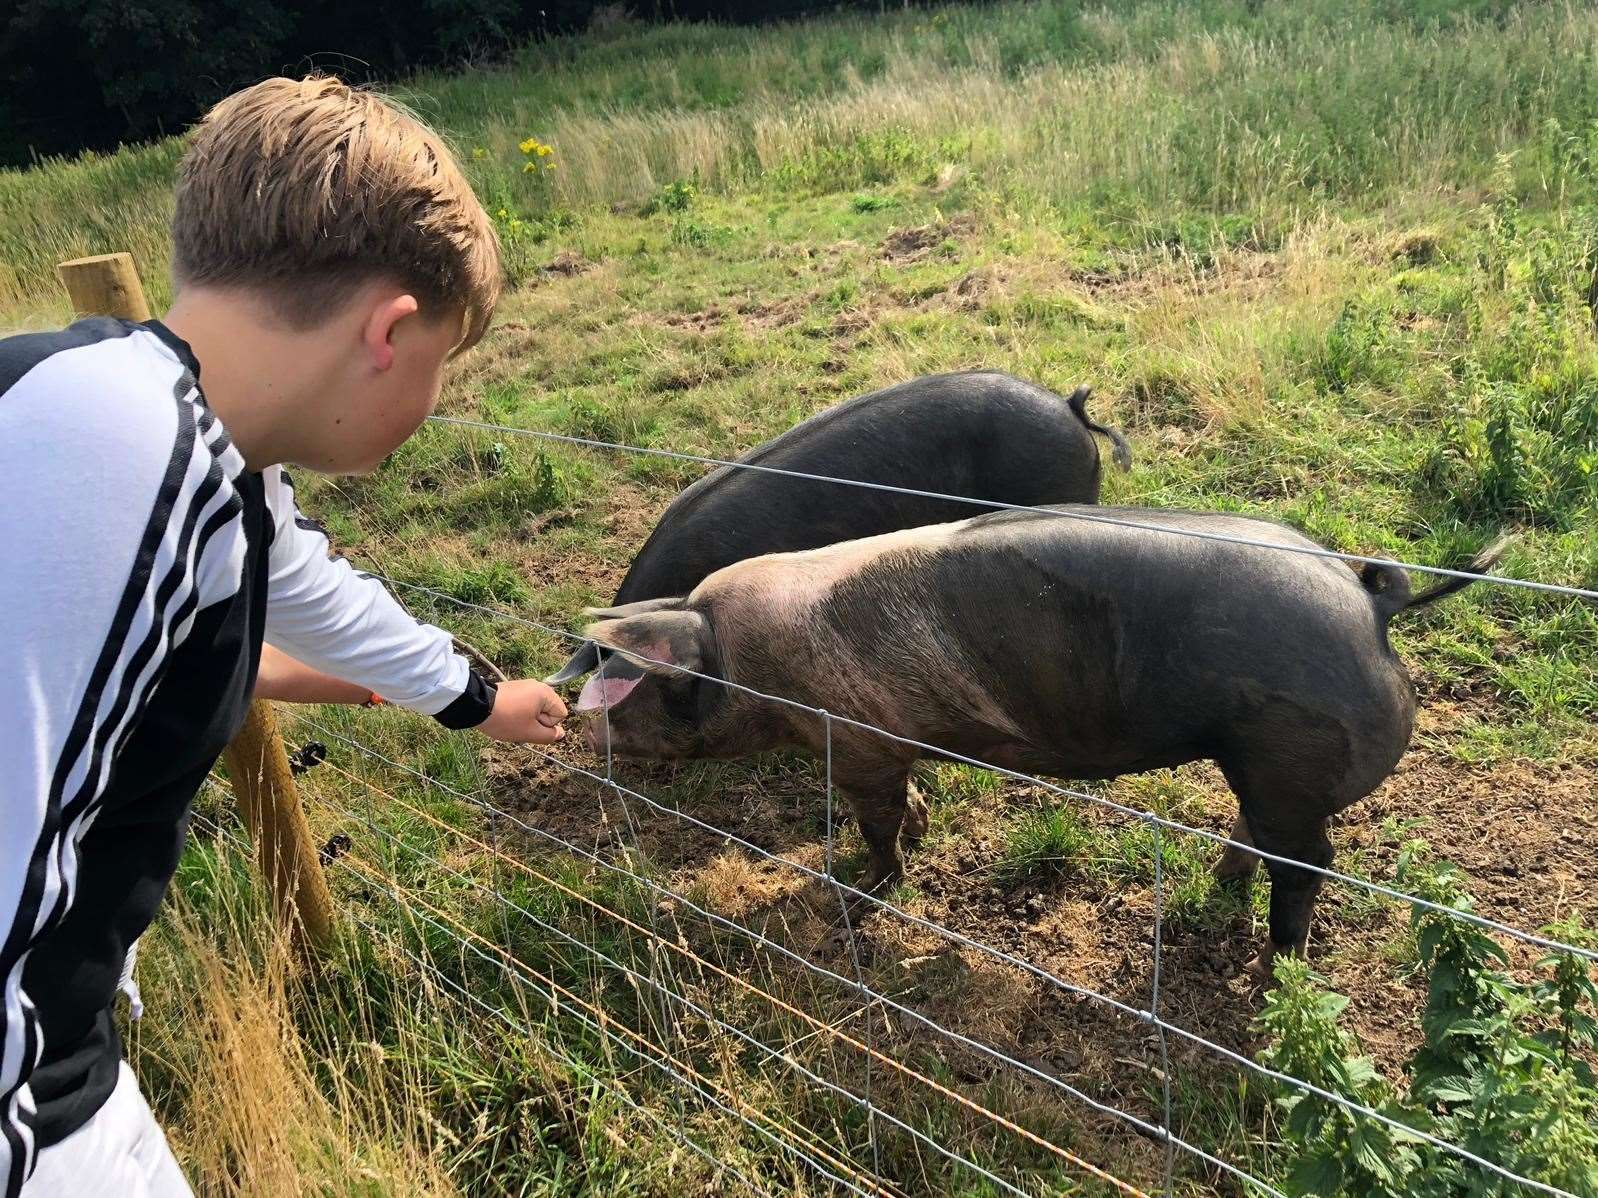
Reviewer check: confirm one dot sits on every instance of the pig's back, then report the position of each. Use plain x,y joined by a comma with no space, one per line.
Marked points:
1183,603
1118,647
979,434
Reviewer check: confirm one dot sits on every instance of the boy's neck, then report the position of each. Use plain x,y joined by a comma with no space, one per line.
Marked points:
257,376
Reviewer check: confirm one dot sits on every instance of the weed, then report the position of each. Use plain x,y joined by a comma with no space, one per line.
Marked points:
1050,841
871,203
677,197
1501,1072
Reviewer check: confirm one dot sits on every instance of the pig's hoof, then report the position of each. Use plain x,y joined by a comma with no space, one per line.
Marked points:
879,881
1263,967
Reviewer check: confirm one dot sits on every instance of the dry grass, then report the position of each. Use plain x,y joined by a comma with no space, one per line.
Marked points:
265,1110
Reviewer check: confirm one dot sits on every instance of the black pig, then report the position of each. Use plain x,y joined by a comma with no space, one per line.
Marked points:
978,434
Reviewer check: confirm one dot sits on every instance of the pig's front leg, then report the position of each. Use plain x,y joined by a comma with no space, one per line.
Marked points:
879,797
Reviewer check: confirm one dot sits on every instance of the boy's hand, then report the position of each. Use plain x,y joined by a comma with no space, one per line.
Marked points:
527,712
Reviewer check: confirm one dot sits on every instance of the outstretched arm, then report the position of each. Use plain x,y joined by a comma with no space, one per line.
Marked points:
344,624
283,678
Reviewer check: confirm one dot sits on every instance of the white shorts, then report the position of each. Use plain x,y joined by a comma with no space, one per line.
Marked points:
121,1151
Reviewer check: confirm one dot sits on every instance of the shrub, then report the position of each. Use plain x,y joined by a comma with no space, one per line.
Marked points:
1503,1071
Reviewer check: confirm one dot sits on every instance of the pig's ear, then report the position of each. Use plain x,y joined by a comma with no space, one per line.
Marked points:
661,642
622,611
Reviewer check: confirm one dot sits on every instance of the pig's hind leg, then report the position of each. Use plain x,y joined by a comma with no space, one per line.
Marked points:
881,817
880,802
873,776
1284,812
1293,889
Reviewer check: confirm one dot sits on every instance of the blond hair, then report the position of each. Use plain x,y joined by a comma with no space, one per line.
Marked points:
307,189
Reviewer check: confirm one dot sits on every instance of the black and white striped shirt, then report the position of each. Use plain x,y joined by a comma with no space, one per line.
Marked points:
141,565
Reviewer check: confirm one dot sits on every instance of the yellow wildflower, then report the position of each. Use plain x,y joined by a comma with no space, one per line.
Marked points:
528,146
479,153
545,151
529,166
549,166
502,214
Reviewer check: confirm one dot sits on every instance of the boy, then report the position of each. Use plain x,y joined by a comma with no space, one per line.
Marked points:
328,257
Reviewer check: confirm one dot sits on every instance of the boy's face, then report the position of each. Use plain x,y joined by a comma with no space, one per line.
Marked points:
398,374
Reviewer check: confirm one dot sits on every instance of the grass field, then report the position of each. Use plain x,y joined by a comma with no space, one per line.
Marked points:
1329,262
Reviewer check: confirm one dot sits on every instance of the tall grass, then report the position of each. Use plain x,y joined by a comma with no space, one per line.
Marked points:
261,1086
1141,110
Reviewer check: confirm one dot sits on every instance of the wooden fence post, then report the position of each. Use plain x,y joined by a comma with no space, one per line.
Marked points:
270,805
105,285
108,285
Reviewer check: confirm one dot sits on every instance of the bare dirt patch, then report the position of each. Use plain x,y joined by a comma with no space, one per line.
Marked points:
911,245
753,311
703,321
568,262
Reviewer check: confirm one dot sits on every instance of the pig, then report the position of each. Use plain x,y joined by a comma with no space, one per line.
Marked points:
1047,645
980,434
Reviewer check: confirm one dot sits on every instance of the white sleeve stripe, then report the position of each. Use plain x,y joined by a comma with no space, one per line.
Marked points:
177,596
147,666
162,591
171,561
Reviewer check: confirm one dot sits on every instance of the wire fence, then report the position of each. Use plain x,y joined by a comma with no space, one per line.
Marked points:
862,1085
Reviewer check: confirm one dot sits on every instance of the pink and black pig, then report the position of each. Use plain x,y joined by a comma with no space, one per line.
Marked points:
1046,645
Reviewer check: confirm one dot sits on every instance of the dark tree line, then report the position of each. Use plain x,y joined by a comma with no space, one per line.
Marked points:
90,74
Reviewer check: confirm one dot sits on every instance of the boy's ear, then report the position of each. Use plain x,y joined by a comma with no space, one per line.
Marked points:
378,335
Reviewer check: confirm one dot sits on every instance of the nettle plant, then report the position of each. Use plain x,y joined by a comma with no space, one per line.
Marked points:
1505,1071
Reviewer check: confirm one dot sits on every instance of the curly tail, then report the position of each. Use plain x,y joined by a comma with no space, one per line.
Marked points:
1121,451
1390,590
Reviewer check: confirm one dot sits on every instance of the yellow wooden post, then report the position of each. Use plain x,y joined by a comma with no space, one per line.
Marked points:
105,285
108,285
270,805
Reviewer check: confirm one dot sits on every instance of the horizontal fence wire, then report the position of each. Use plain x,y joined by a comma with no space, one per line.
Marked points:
1082,513
818,1026
1147,1016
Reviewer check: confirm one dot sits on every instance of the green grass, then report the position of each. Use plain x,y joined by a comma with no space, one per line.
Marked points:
1329,263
